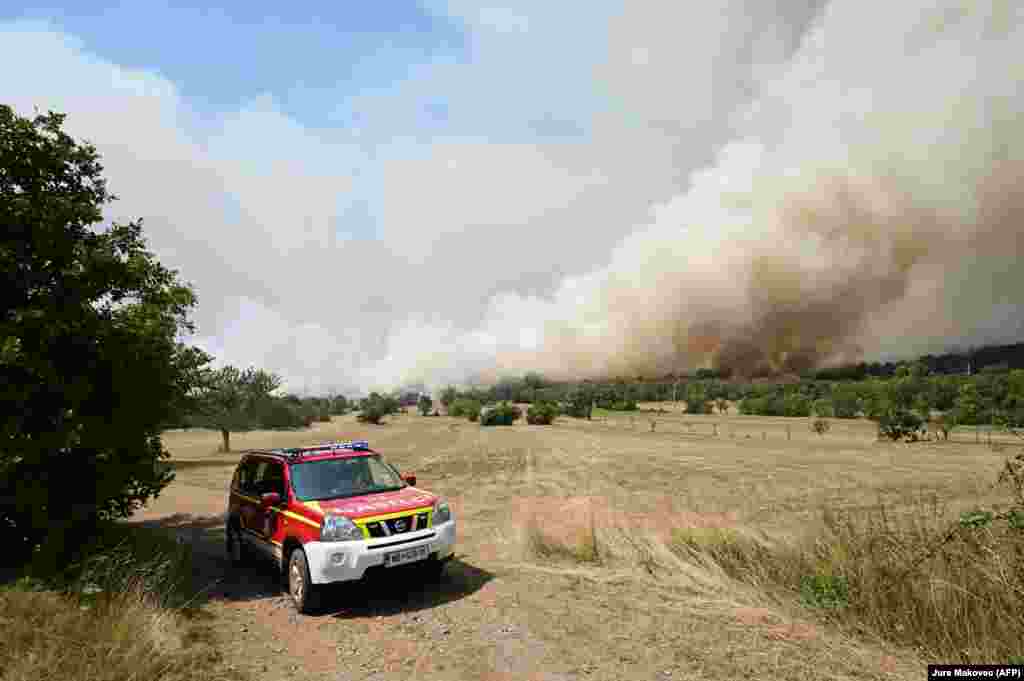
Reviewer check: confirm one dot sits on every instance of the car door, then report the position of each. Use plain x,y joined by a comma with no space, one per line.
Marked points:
270,478
247,497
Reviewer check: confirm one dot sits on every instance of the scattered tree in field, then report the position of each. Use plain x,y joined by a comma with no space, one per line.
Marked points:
504,414
425,404
464,407
232,398
542,413
89,362
579,404
697,400
448,396
820,426
339,405
375,407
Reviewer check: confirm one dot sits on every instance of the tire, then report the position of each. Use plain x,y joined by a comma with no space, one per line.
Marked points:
305,595
238,554
433,570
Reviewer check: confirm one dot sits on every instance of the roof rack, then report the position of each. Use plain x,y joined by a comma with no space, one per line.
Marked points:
297,452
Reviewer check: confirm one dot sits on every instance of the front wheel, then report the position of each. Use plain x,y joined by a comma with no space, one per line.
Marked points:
433,570
304,593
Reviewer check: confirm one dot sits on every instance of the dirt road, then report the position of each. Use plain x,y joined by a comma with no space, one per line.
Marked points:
504,613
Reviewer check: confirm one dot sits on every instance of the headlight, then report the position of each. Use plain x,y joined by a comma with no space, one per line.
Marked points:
442,513
339,528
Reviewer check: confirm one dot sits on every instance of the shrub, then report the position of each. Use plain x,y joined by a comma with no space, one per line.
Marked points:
374,408
542,413
823,408
425,404
901,424
464,407
504,414
578,404
820,426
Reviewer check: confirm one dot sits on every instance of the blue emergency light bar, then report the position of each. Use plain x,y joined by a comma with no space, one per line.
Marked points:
354,445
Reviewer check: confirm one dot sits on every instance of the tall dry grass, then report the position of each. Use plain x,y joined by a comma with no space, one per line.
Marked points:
951,587
909,572
122,612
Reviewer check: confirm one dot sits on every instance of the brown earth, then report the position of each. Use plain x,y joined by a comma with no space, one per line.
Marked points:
504,613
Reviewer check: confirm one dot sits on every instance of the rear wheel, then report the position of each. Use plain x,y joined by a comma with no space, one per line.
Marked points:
304,593
235,547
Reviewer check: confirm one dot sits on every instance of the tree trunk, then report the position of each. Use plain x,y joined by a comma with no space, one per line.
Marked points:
227,440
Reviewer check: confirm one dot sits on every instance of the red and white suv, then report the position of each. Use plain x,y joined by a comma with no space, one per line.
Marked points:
328,513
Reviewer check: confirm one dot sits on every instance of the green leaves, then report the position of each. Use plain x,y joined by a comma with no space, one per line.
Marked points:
88,351
976,519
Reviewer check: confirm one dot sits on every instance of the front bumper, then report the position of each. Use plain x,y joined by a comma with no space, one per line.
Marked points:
348,560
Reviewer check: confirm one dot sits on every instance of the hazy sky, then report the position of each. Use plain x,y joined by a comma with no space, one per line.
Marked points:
369,193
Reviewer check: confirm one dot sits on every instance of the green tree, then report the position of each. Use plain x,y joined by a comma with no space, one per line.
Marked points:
338,405
845,401
542,413
375,407
232,400
448,396
425,404
823,408
697,399
504,414
796,404
579,403
90,364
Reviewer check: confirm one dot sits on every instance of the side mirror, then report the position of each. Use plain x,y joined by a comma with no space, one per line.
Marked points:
410,479
270,499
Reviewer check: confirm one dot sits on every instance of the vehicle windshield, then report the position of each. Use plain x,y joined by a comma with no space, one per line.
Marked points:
337,478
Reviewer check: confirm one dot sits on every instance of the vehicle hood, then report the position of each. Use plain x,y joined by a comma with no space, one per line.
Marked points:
379,504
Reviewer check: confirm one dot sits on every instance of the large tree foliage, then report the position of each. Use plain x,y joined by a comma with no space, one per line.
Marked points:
90,367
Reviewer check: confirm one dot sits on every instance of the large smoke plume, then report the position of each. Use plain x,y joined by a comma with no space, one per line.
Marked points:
871,205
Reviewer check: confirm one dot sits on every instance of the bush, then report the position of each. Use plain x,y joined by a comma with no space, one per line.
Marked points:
901,424
578,404
464,407
542,414
504,414
425,404
820,426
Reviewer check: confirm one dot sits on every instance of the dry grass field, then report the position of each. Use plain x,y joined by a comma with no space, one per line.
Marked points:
604,549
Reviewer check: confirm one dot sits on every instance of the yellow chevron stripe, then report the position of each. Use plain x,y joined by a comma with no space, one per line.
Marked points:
300,518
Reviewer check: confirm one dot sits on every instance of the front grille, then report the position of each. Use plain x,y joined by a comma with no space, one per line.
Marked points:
401,525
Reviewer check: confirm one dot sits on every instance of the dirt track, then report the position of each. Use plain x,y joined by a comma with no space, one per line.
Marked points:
502,614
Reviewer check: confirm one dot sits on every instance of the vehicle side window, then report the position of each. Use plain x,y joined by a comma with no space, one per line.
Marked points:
245,477
381,474
270,478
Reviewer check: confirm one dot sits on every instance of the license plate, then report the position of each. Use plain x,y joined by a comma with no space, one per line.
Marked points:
405,556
